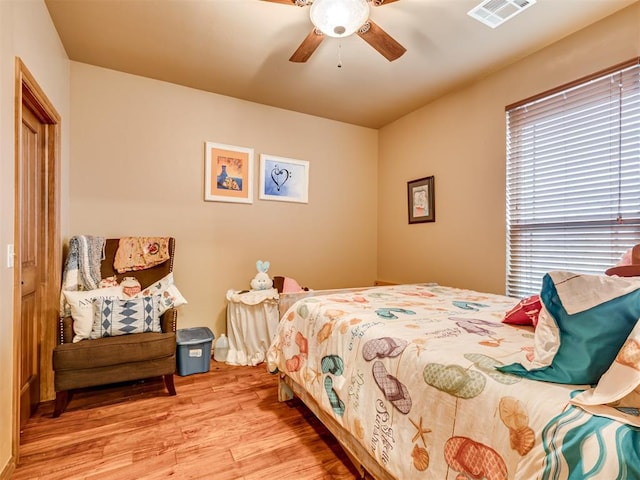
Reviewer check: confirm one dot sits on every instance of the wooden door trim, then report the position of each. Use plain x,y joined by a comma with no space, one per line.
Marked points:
29,93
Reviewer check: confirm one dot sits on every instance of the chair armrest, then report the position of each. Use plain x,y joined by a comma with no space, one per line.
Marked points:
169,320
65,327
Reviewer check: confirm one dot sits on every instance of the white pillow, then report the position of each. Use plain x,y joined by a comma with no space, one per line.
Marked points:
170,295
81,304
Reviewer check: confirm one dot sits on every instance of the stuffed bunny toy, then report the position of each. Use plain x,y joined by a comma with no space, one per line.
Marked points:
262,281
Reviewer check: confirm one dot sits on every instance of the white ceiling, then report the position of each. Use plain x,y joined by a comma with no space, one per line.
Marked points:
241,48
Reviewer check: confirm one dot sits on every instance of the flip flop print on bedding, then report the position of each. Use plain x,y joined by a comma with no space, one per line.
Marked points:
334,365
454,380
474,459
345,326
487,365
472,325
337,404
325,331
417,294
354,299
296,362
389,313
333,315
383,347
394,390
303,344
473,306
303,310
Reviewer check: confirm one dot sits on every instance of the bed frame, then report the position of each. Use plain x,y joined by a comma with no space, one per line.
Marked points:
366,465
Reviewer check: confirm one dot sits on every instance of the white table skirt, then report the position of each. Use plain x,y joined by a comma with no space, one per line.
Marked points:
252,321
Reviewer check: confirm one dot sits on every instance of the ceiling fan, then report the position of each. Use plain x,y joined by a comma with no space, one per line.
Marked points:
341,18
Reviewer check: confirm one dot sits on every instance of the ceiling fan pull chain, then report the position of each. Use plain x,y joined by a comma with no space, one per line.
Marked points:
339,54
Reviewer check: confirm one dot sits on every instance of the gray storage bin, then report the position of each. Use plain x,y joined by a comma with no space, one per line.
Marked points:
193,350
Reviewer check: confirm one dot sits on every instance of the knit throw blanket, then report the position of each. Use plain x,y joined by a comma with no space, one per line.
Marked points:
82,267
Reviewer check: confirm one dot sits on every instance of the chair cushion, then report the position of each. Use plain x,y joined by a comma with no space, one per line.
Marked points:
110,351
90,377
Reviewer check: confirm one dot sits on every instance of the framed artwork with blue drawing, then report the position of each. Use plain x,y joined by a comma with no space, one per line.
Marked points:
228,173
284,179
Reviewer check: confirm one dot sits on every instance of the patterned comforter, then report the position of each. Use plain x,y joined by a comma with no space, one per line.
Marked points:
409,371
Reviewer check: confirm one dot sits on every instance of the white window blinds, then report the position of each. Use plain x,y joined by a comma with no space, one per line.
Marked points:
573,179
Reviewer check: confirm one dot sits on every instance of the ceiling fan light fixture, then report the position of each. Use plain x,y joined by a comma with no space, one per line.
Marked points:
339,18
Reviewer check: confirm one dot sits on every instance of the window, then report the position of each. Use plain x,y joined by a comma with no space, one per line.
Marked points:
573,178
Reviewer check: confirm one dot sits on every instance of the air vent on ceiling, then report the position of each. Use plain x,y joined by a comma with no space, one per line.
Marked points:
496,12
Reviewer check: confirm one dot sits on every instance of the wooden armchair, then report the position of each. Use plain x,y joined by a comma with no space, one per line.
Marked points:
102,361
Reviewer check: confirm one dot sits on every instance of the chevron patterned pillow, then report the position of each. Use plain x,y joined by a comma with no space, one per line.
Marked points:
113,316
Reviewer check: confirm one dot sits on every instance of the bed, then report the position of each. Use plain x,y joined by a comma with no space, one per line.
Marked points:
408,378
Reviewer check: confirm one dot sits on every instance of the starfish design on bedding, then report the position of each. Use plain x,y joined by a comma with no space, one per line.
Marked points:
311,375
420,431
494,342
278,349
419,343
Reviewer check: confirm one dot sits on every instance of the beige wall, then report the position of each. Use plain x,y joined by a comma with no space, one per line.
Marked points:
25,31
460,139
137,168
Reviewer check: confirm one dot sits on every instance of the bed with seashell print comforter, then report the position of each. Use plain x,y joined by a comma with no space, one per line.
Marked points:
408,373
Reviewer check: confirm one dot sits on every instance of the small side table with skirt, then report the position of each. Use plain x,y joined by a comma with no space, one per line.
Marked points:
252,321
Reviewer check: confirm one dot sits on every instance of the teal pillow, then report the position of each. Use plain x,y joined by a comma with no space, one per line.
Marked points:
589,340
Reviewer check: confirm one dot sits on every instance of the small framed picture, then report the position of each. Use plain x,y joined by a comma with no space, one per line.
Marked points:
284,179
228,173
421,198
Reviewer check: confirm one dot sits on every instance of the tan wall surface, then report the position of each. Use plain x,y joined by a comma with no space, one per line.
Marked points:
460,139
137,168
25,31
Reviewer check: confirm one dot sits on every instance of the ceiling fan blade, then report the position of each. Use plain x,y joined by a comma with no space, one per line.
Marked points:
382,41
307,47
300,3
378,3
287,2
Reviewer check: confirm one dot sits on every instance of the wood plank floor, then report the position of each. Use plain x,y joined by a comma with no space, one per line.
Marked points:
223,424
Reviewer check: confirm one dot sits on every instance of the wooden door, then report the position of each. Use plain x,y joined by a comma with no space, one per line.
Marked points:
38,253
31,217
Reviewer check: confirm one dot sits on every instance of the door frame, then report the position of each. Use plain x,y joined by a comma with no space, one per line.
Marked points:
29,94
